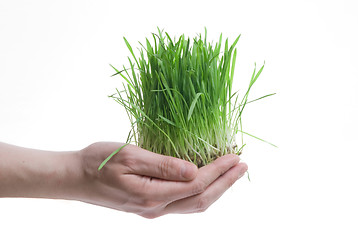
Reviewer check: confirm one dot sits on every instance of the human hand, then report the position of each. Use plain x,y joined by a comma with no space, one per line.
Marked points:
151,185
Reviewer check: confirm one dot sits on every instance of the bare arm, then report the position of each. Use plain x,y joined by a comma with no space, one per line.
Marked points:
134,180
38,174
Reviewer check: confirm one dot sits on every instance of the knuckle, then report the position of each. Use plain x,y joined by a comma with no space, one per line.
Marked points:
128,161
199,187
231,180
150,204
203,204
146,201
220,168
141,194
149,215
164,167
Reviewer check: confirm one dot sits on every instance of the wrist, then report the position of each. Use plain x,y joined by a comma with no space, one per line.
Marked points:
66,176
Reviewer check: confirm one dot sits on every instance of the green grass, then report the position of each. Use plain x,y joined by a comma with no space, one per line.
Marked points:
179,98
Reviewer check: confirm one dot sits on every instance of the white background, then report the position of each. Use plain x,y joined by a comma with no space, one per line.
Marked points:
54,83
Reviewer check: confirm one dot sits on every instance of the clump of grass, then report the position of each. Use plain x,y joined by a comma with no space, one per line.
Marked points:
179,98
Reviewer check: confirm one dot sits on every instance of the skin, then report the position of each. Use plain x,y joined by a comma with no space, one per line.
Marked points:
134,180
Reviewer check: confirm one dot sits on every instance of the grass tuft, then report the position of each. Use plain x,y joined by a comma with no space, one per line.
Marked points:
178,96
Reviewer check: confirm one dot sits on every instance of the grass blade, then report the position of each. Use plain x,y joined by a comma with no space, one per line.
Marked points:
268,95
257,138
110,156
192,106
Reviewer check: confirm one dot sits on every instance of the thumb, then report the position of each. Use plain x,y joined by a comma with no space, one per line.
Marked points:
164,167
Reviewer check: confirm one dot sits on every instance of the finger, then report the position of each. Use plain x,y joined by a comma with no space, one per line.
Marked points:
201,202
163,167
170,191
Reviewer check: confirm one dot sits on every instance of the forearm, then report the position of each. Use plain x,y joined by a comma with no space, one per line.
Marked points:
38,174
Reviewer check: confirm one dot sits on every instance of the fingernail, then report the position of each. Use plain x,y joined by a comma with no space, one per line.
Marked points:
187,172
243,169
183,171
